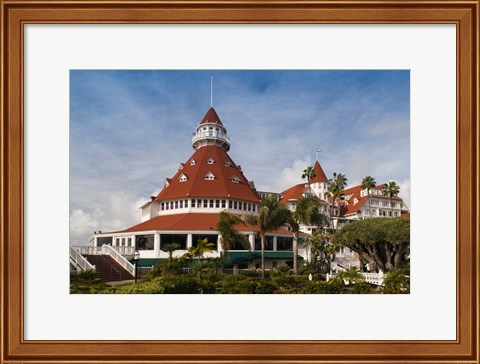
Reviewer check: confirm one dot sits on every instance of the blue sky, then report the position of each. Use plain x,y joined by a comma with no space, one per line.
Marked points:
129,130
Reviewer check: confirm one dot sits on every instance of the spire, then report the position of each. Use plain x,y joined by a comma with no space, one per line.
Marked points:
319,174
211,117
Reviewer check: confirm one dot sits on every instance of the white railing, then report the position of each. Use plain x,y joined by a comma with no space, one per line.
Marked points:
79,260
204,134
124,250
108,250
374,278
88,250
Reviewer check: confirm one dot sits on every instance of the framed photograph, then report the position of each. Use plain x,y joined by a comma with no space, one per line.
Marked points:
97,96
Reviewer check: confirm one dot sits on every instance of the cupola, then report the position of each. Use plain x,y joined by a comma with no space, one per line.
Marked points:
211,131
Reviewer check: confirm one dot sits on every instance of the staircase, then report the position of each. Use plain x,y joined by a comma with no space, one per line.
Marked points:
108,269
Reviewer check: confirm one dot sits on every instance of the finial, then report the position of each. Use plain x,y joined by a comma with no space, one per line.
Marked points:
211,90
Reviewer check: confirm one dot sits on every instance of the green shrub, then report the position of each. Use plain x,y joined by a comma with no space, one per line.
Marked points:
181,285
86,282
154,286
266,287
362,288
238,286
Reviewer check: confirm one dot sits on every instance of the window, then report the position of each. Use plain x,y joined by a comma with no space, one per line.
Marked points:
199,203
117,241
217,203
205,203
186,203
167,206
144,242
104,241
192,162
129,241
268,243
374,202
210,161
211,238
284,243
171,205
181,204
384,203
123,241
245,206
236,179
228,164
209,176
193,203
230,204
183,178
235,205
223,204
163,206
180,239
211,204
249,207
176,204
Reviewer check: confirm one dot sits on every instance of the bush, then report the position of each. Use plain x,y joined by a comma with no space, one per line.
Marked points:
362,288
266,287
154,286
86,282
238,286
181,285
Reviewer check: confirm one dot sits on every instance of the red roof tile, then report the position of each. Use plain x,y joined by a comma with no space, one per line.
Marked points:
196,185
293,193
354,192
211,117
190,222
319,174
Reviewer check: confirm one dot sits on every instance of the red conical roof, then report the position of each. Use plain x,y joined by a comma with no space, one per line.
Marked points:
221,186
211,117
319,174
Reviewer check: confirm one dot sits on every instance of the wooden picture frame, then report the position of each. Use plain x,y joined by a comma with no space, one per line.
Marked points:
16,13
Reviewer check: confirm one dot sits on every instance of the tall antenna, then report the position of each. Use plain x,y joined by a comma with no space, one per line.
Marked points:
211,90
316,153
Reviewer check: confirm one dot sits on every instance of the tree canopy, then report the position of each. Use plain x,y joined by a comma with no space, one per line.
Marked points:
384,242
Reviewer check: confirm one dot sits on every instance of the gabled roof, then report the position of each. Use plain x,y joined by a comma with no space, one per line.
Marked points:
293,193
190,222
319,174
211,117
354,192
196,185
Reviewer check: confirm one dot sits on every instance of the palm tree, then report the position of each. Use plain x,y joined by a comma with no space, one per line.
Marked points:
229,236
271,215
351,275
309,174
203,246
391,189
368,183
170,248
307,212
336,187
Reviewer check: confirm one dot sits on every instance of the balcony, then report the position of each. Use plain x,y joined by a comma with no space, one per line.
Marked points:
211,135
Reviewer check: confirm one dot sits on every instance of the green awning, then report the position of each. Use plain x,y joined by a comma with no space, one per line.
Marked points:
233,258
243,257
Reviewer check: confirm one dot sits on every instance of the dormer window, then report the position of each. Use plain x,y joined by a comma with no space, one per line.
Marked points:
183,178
228,164
355,201
209,176
167,182
210,161
235,179
180,166
239,168
192,162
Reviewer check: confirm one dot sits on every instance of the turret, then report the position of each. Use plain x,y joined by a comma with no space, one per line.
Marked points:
211,131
